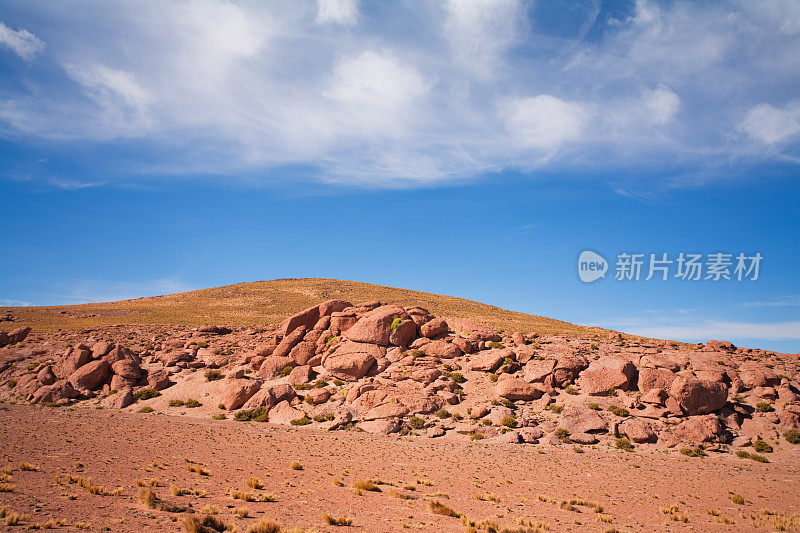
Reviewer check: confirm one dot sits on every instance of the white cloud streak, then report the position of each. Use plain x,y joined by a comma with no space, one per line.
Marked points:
476,87
22,42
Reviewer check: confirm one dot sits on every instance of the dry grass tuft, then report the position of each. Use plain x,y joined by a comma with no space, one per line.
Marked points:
242,512
366,484
265,526
255,483
199,470
337,521
149,499
438,507
205,524
27,467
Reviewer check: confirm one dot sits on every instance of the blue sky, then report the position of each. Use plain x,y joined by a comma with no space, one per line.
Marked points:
470,148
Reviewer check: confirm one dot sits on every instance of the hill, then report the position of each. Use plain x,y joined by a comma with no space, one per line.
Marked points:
266,302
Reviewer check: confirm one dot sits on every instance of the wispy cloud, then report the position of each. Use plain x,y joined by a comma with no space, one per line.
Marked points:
476,87
22,42
788,301
5,302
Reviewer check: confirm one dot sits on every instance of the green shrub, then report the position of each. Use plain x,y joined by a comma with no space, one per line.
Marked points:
146,394
338,382
509,421
257,415
416,422
396,322
624,444
327,417
11,383
697,451
759,458
493,377
764,407
285,371
619,411
555,408
497,345
562,434
762,447
571,390
457,377
191,402
593,406
320,383
213,375
742,454
302,421
219,416
792,436
176,403
146,409
443,413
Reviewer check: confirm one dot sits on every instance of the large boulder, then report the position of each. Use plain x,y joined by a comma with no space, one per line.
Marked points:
18,335
404,333
352,360
269,396
45,376
284,413
699,429
441,349
238,391
76,358
605,375
375,326
288,342
58,393
303,352
305,319
754,375
637,430
567,368
516,389
698,396
489,360
158,379
655,378
380,426
433,328
90,376
120,399
127,369
577,419
538,370
300,375
272,366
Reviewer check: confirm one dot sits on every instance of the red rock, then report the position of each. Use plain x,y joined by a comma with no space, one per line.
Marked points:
119,400
215,330
699,429
583,438
90,376
158,379
568,367
655,378
489,360
441,349
538,370
101,348
329,307
419,315
76,358
341,322
465,345
127,369
303,352
422,404
754,375
352,360
318,396
375,326
284,413
403,334
660,360
719,346
57,393
654,396
433,328
516,389
118,353
697,397
237,392
46,376
380,427
637,430
273,365
304,319
300,375
604,375
18,335
289,341
524,353
582,420
386,410
265,350
269,396
118,383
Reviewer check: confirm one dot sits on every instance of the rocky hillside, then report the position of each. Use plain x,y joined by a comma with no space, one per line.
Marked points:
400,369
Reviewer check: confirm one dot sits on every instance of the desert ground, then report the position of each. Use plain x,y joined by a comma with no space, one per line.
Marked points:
346,406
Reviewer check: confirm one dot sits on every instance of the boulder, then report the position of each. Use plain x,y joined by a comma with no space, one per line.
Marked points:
655,378
120,399
489,360
101,348
118,353
215,330
18,335
90,376
404,333
518,339
285,346
637,430
604,375
269,396
380,427
238,391
127,369
158,379
699,429
300,375
465,345
303,352
375,326
567,368
352,360
577,419
46,376
57,393
328,307
696,396
754,375
386,410
538,370
441,349
284,413
76,358
304,319
433,328
583,438
273,365
419,315
318,396
516,389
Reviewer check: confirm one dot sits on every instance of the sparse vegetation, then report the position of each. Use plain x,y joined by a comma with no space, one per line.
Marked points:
260,414
146,409
214,375
146,393
438,507
738,499
764,407
697,451
792,436
760,446
562,434
416,422
366,484
619,411
624,444
509,421
302,421
337,521
207,523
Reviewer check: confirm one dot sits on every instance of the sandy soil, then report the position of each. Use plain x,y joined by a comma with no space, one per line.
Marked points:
115,448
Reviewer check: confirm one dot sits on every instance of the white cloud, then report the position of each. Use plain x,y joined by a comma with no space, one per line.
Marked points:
662,104
115,90
771,125
544,121
344,12
25,44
